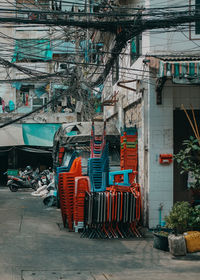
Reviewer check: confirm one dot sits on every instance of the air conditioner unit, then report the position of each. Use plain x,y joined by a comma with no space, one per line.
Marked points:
60,67
79,105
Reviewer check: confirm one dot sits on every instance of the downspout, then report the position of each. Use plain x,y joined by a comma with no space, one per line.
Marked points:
121,114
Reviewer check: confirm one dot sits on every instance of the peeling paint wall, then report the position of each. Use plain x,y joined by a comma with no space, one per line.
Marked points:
6,91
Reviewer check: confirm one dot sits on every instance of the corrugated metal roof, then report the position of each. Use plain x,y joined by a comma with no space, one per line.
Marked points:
177,57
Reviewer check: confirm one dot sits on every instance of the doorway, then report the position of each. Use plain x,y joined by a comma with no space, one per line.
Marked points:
3,167
182,131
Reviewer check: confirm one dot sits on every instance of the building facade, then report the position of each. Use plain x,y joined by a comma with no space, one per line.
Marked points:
157,72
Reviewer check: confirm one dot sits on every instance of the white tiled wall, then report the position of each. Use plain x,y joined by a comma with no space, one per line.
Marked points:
160,142
160,136
186,96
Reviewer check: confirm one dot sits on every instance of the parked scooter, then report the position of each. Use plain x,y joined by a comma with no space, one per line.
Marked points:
27,179
47,188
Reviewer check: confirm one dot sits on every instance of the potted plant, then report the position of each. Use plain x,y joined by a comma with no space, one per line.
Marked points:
160,240
179,220
179,217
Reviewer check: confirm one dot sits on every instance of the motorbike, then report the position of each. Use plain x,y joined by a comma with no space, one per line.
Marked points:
27,180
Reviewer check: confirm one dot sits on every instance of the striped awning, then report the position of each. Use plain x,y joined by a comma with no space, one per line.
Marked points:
175,66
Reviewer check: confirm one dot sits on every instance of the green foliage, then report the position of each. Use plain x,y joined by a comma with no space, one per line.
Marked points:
194,220
183,217
163,233
189,159
178,217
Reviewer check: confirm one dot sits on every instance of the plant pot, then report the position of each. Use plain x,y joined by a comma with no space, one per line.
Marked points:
177,246
160,242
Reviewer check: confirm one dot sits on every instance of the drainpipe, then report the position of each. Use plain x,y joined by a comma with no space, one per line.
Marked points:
160,213
121,114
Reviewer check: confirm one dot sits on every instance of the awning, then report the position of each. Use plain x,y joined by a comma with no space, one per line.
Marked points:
34,150
40,89
39,134
176,66
11,136
62,47
55,86
82,133
27,134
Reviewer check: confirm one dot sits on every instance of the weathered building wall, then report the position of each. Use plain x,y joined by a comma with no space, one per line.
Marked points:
160,135
160,141
6,91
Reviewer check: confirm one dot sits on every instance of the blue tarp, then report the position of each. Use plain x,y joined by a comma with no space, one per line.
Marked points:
17,85
32,49
39,134
40,90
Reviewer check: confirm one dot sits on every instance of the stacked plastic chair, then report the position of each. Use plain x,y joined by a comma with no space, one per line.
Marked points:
97,143
115,213
129,149
62,169
66,187
82,185
61,154
112,214
98,163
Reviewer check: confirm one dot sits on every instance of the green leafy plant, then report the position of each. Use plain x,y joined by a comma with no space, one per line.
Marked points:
163,233
179,217
188,159
194,220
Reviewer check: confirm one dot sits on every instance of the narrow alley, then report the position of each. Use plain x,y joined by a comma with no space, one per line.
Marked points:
34,246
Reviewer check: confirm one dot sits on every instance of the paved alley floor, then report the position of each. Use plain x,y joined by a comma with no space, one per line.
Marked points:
34,247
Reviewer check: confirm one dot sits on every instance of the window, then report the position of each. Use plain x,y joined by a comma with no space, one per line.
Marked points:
25,2
23,96
135,49
95,53
38,102
32,50
197,23
115,71
36,5
42,3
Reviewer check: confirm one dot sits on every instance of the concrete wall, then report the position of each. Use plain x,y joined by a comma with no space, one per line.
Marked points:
178,40
161,142
6,92
160,179
188,95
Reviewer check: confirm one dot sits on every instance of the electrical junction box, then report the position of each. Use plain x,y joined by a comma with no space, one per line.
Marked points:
166,159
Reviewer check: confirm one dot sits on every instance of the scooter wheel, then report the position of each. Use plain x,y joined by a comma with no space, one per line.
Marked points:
34,186
13,188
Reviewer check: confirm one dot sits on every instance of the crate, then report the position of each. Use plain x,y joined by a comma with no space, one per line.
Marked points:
12,172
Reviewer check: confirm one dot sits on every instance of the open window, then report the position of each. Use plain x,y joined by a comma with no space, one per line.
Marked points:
197,23
115,71
135,48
